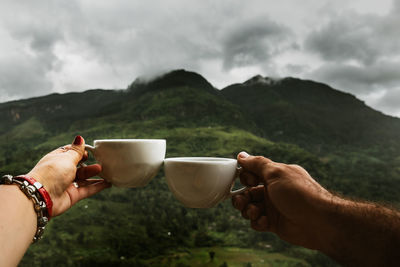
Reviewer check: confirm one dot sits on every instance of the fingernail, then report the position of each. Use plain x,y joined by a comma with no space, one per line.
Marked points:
243,155
78,140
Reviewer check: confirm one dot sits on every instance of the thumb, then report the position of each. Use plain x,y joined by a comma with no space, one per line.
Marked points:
77,149
258,165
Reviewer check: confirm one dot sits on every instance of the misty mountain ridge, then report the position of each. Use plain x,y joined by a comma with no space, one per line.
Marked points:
303,112
175,78
260,80
313,114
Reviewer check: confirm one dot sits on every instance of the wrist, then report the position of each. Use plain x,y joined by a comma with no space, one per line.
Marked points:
361,233
43,194
34,191
18,224
45,183
327,223
342,217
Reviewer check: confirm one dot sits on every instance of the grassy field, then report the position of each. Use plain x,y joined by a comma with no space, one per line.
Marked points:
227,256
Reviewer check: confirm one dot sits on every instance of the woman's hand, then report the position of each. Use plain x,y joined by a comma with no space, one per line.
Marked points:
57,172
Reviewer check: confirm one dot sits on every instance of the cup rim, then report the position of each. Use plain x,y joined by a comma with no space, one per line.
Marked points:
201,160
129,140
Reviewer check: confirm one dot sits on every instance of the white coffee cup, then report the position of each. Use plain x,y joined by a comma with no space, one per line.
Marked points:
128,162
201,182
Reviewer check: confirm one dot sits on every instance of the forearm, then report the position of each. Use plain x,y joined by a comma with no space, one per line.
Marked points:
362,234
17,224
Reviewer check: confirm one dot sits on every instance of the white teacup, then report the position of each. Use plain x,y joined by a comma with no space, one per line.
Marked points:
201,182
129,162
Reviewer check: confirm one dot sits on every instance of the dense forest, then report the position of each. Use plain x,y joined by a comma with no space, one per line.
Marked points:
345,145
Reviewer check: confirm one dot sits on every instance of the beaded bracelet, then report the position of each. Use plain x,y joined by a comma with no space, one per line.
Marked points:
37,193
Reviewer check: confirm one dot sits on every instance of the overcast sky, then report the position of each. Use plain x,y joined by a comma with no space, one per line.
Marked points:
60,46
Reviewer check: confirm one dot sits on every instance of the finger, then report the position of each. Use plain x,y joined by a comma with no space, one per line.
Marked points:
260,224
254,164
239,202
245,215
262,167
245,202
90,190
85,156
86,182
249,179
88,171
77,149
257,194
61,149
255,210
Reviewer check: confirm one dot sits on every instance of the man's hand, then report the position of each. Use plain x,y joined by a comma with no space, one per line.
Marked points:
287,202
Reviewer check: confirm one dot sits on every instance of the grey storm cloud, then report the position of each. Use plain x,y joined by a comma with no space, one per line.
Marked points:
130,38
58,46
361,78
390,101
24,69
253,42
187,35
363,38
16,78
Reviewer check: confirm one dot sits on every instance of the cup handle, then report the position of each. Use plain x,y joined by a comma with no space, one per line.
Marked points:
238,191
90,149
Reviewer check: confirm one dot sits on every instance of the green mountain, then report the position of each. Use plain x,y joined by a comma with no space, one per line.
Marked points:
314,116
344,144
57,111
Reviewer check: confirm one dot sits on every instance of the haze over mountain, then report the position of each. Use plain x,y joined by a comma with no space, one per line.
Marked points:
344,144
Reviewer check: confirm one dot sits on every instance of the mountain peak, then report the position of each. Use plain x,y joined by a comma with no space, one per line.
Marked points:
175,78
260,80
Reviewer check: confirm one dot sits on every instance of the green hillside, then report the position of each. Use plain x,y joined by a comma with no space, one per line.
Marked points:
361,145
292,121
56,112
315,116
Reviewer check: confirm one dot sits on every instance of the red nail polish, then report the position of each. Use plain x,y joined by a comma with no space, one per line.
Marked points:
78,140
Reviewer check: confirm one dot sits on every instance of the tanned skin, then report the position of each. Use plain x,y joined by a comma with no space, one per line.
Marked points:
286,200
